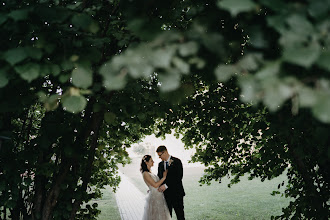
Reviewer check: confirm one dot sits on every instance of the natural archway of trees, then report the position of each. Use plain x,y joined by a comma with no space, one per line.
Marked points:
246,82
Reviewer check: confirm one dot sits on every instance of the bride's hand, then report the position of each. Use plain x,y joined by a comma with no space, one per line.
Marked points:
165,173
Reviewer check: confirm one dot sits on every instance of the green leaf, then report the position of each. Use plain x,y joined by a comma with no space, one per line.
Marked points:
307,97
141,116
110,118
3,78
300,25
10,204
67,65
278,5
74,6
85,22
114,82
53,14
225,72
64,78
324,60
82,77
213,42
3,18
19,15
49,48
321,108
2,185
136,61
29,71
74,104
302,56
198,62
181,65
44,70
269,70
257,37
250,62
276,93
52,102
15,55
278,22
188,49
42,96
137,70
110,80
169,81
162,57
55,69
34,53
318,8
250,88
237,6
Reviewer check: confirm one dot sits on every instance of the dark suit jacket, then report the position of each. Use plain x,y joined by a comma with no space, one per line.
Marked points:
173,179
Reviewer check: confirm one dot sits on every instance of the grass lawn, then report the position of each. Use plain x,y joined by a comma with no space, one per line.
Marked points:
245,200
108,206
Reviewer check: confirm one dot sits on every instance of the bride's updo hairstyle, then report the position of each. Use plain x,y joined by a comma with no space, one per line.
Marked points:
144,167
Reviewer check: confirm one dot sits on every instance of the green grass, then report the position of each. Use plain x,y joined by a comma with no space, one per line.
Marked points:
108,205
245,200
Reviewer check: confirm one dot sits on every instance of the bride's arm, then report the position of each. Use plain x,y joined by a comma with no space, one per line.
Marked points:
151,182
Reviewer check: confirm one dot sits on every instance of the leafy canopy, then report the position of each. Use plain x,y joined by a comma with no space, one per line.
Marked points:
80,81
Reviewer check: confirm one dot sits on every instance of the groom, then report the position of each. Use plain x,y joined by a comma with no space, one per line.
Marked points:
172,186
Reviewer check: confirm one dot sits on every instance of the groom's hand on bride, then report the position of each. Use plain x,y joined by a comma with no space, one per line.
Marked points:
162,188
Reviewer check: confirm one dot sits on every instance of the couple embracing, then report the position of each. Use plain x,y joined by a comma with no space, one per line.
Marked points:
165,189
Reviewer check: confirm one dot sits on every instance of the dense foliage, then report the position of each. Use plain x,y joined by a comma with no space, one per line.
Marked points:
55,160
233,140
82,80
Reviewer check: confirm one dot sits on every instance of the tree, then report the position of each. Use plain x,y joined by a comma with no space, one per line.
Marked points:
100,75
233,139
68,133
278,55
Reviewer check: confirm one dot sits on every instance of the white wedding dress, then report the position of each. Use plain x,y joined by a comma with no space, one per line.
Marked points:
155,207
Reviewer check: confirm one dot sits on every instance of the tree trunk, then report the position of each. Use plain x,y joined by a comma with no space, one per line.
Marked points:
96,125
53,194
14,214
39,192
4,213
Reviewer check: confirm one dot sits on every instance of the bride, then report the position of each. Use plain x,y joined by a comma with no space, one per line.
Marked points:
155,207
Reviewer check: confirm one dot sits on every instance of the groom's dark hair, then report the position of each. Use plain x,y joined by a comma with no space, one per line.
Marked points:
161,148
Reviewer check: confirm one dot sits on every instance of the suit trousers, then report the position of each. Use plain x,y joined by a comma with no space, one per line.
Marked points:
176,203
